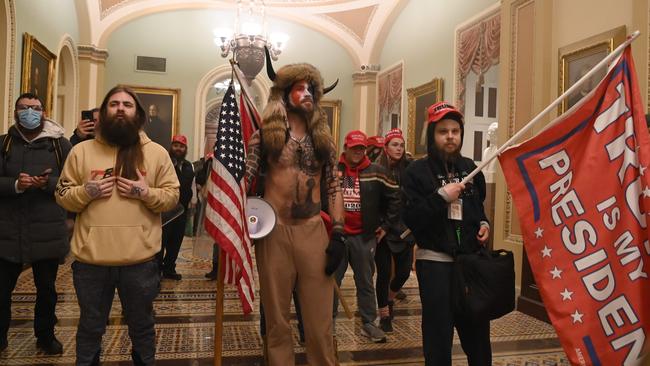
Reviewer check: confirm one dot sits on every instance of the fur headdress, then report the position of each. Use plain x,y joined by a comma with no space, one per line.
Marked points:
275,124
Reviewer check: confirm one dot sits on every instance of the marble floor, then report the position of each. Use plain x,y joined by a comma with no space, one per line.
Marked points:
185,327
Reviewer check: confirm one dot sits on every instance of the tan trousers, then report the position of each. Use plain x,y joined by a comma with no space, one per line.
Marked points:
294,256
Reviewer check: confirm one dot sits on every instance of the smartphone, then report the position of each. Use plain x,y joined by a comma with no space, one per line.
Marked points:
45,172
87,115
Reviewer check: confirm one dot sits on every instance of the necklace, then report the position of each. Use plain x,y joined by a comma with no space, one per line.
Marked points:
299,142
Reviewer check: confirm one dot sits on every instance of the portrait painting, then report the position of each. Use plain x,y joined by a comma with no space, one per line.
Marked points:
419,99
389,99
332,109
161,108
38,71
577,59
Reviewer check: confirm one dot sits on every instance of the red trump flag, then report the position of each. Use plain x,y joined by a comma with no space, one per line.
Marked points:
581,188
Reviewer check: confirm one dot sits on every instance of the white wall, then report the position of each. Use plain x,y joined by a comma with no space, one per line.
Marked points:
185,39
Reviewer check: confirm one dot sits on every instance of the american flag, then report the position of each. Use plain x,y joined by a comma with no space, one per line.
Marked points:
225,219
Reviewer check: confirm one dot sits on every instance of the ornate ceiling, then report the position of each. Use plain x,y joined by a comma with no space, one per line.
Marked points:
358,25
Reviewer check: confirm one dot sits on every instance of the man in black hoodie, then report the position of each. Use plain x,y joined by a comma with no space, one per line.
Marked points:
447,218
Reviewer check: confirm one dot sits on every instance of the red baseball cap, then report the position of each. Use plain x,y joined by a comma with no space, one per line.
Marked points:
393,134
376,141
443,110
180,139
356,138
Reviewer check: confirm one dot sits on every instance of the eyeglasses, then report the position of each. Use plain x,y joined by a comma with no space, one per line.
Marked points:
22,107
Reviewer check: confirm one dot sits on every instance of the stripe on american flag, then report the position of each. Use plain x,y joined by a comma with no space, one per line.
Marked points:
225,218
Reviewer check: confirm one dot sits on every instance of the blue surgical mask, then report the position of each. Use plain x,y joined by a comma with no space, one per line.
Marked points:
29,118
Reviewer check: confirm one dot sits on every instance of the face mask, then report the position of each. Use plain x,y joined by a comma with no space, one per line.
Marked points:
29,118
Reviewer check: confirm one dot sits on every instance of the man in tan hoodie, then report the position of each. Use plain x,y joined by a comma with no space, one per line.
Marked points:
118,184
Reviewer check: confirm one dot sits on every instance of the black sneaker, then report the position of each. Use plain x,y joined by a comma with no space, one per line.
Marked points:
3,344
52,348
386,324
212,275
400,295
172,276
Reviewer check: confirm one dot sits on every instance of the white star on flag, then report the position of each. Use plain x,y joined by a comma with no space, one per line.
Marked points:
557,273
577,317
546,252
566,294
538,232
642,169
646,191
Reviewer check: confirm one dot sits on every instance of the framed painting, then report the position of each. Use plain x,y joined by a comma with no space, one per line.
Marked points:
389,99
38,71
332,109
578,58
161,107
419,99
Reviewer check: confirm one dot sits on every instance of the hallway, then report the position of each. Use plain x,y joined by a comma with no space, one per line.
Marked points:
185,323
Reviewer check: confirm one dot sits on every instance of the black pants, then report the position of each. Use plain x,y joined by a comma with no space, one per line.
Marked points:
44,277
402,261
172,238
137,285
438,320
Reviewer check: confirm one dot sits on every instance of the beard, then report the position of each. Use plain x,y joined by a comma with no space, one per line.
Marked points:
447,157
120,131
301,110
178,155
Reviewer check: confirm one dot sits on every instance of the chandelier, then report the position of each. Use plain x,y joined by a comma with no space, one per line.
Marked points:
249,38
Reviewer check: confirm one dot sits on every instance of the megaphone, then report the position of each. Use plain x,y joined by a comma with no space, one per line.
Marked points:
260,217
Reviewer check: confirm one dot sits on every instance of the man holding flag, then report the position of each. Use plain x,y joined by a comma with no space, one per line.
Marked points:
295,151
588,243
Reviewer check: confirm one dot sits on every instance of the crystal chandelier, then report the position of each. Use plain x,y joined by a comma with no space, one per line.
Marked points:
249,38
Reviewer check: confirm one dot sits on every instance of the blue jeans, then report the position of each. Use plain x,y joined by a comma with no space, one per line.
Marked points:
138,285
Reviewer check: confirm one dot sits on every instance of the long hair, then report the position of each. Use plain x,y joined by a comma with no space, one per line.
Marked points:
129,157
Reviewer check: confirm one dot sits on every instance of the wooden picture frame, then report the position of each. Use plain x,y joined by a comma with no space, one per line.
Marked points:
419,99
332,109
164,124
38,71
390,83
576,59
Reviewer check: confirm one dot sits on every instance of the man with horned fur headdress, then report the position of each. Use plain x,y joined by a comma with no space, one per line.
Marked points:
296,152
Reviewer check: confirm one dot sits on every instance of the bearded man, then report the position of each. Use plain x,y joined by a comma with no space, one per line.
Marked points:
447,218
174,231
296,153
118,184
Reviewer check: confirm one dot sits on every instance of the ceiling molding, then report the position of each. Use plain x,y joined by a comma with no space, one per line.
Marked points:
356,25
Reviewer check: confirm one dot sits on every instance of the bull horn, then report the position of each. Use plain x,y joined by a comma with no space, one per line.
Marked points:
269,65
329,88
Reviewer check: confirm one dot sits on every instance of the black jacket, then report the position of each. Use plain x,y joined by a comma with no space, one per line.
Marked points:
379,199
32,225
393,235
425,212
185,174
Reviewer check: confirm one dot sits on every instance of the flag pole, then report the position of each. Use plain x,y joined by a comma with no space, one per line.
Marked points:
218,316
553,105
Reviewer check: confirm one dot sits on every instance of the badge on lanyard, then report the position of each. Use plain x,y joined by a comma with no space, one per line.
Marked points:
455,210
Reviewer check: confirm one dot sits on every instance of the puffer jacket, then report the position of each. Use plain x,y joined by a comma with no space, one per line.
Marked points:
32,225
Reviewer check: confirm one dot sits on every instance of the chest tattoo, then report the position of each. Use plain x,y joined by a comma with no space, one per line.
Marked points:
308,208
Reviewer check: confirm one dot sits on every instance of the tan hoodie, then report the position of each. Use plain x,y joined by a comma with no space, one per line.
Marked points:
116,230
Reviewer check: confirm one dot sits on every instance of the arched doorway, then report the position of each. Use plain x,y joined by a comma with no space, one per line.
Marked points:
65,105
